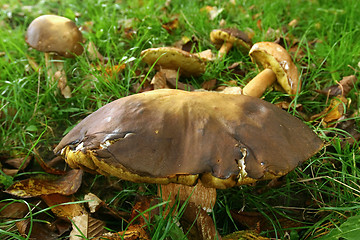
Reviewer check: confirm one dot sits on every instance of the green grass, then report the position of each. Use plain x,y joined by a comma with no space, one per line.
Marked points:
324,189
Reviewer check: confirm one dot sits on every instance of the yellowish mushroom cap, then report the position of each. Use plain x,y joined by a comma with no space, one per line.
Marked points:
173,58
273,56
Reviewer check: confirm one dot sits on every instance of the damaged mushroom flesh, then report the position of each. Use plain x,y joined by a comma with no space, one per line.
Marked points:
60,37
277,66
173,136
172,62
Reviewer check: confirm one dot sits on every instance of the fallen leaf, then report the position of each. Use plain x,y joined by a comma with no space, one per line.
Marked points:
342,88
11,166
94,202
86,226
209,85
258,24
13,210
93,52
46,167
257,222
333,113
171,26
204,227
39,230
134,232
244,235
159,81
56,202
45,185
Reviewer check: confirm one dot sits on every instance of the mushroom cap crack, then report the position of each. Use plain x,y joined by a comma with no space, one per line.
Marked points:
167,134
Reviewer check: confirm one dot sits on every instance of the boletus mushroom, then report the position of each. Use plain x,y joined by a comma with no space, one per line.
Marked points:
172,136
278,67
226,38
60,37
173,62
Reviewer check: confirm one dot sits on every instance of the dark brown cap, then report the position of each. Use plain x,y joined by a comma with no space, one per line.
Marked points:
51,33
174,58
168,135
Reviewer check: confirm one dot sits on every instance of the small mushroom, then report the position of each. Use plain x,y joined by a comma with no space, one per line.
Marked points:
172,136
59,36
278,66
173,62
226,38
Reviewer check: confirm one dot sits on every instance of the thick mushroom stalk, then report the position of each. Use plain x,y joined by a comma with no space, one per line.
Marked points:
258,85
278,67
58,36
229,37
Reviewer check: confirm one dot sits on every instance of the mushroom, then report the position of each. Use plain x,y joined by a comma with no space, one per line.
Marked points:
226,38
173,62
57,35
278,66
172,136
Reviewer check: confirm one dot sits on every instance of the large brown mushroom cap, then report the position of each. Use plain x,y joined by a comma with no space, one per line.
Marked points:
233,36
273,56
51,33
173,58
176,136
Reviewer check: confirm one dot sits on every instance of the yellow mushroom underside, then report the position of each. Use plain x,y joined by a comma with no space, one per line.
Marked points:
89,161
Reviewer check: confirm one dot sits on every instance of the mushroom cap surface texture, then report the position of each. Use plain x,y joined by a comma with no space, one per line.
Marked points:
232,35
52,33
169,135
187,63
273,56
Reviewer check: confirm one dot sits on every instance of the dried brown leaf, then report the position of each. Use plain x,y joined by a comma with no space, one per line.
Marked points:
171,26
12,166
93,52
94,202
86,226
63,210
134,232
258,222
39,230
334,112
204,227
13,210
342,88
244,235
209,85
159,81
33,187
46,167
258,24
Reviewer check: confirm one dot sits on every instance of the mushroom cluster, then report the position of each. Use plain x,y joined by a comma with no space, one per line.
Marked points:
190,143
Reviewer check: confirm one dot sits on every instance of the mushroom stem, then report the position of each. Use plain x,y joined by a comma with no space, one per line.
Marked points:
225,48
198,194
56,73
257,86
